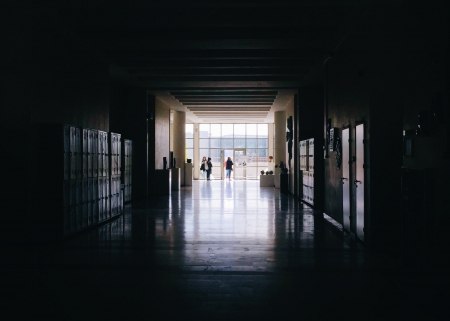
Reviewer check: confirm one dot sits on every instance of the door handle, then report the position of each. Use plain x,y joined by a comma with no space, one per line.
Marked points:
356,182
342,179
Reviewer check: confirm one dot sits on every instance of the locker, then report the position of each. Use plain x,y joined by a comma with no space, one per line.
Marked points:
107,195
116,196
100,153
311,155
84,203
101,199
78,153
311,179
94,153
359,181
66,207
89,202
114,161
121,202
84,149
106,155
95,200
78,205
112,184
89,154
119,155
345,179
73,153
66,148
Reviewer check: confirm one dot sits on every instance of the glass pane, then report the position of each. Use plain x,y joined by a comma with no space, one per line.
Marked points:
215,130
189,130
239,130
204,130
263,143
252,157
263,130
227,130
227,143
239,143
215,143
214,153
205,153
190,154
252,172
204,143
189,143
251,143
215,173
262,152
251,130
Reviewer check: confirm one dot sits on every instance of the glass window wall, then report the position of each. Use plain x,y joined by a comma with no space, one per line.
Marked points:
251,137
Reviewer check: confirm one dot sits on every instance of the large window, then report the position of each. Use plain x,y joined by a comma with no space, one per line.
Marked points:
190,142
254,138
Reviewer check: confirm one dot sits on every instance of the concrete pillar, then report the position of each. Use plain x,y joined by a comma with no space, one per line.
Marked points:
271,165
280,137
197,159
179,140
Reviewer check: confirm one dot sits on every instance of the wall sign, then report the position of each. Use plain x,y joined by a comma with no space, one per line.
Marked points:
333,135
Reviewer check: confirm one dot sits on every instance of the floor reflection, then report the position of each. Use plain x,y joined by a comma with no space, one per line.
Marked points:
218,250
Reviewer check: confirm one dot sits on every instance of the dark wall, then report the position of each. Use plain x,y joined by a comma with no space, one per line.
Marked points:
48,76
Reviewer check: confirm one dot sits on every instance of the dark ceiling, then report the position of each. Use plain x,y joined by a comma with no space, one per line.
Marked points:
236,46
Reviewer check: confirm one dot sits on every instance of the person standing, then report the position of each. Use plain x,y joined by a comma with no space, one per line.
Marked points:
208,167
203,166
229,167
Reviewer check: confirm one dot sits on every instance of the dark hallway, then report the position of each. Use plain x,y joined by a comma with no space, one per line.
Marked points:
216,251
333,112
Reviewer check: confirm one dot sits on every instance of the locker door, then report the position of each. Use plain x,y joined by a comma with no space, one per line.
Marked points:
78,152
78,204
107,195
119,155
84,203
100,154
66,148
311,155
359,181
73,206
94,153
95,201
345,179
66,207
120,202
105,155
84,149
89,153
101,199
114,196
73,153
116,154
89,202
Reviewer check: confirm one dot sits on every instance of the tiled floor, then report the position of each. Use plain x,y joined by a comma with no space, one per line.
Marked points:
216,251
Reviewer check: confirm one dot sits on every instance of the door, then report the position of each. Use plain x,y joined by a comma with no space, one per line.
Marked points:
345,179
359,181
225,154
240,164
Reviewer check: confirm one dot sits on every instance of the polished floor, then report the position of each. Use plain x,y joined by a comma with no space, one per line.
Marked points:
218,250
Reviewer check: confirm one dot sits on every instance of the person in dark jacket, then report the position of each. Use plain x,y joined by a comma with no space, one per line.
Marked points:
229,167
208,168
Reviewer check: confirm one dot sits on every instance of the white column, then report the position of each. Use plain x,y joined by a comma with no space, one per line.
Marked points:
271,165
280,137
197,159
